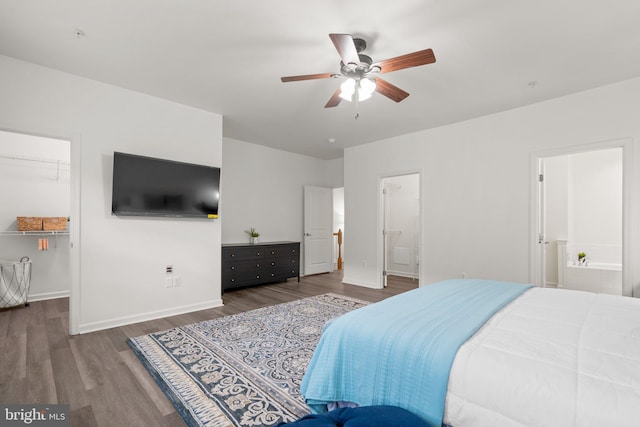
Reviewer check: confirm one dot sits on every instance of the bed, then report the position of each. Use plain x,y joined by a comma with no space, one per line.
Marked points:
483,353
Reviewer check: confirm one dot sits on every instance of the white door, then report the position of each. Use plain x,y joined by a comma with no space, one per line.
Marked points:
318,231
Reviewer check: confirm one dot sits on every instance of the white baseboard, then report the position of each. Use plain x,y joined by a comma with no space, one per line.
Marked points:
356,282
48,295
402,274
143,317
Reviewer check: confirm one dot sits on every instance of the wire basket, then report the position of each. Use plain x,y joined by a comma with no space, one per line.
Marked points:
54,223
29,223
15,279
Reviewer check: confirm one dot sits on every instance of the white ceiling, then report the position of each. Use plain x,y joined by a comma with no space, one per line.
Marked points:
227,56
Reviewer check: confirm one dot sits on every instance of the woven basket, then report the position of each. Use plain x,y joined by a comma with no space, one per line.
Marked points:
29,223
56,223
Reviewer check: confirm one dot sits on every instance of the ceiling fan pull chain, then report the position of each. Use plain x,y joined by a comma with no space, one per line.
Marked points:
356,97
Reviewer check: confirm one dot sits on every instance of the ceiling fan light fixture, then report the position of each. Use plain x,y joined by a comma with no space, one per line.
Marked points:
365,88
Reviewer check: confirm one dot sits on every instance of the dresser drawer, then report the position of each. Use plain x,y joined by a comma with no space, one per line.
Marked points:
242,253
239,273
283,251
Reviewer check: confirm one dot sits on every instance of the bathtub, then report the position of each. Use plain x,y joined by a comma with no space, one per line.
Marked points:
600,277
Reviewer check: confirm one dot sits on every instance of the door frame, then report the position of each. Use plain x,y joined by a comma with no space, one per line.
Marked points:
536,252
381,281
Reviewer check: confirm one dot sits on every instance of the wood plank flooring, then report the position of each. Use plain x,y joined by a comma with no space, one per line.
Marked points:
99,376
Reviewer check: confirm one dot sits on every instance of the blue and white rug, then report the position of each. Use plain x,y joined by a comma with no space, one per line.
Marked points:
244,369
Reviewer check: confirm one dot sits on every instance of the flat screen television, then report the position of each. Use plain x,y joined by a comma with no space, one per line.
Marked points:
146,186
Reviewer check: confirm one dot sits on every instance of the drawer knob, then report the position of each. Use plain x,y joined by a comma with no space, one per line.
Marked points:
257,277
233,267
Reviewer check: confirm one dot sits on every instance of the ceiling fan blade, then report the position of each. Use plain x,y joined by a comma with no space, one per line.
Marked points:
307,77
409,60
346,48
334,100
390,91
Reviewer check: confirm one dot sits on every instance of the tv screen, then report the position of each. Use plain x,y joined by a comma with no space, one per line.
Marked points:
146,186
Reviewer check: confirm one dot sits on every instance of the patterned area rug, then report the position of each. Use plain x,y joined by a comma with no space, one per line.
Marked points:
244,369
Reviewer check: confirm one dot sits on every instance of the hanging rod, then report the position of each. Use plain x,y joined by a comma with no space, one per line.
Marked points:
35,159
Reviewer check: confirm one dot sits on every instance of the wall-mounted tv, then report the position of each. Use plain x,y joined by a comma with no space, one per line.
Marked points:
146,186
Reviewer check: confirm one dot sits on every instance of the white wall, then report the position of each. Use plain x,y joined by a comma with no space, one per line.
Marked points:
121,261
476,179
596,198
335,173
263,188
35,177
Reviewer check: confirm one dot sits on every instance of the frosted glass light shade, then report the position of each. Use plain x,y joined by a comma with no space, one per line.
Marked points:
367,86
347,88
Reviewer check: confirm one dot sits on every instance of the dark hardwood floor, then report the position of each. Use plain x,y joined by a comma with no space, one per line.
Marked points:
99,376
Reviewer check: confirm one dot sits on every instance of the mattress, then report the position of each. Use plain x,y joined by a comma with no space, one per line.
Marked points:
552,357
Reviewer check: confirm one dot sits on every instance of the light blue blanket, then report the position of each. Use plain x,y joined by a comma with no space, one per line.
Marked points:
400,351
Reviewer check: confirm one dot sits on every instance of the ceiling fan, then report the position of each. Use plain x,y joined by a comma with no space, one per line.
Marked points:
362,73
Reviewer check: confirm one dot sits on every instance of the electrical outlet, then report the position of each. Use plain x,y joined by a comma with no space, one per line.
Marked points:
168,282
177,281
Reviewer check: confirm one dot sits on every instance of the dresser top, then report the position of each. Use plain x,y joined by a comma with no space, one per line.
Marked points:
231,245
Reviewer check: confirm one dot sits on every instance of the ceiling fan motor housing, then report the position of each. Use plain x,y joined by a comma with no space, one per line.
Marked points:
357,70
360,44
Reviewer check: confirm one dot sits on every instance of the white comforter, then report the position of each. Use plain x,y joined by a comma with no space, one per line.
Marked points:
552,357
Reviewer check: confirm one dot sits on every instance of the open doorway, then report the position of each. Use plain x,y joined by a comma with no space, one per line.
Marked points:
338,228
582,229
36,174
401,226
71,144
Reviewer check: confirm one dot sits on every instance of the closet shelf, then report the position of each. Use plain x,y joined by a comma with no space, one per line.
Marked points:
35,233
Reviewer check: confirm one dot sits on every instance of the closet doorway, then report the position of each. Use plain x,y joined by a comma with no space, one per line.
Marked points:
36,173
401,226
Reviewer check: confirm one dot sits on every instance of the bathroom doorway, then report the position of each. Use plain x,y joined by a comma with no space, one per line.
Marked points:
580,227
401,226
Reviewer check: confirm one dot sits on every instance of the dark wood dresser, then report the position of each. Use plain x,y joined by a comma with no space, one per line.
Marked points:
259,263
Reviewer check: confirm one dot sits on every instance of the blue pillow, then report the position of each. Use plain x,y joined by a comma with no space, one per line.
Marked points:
362,416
